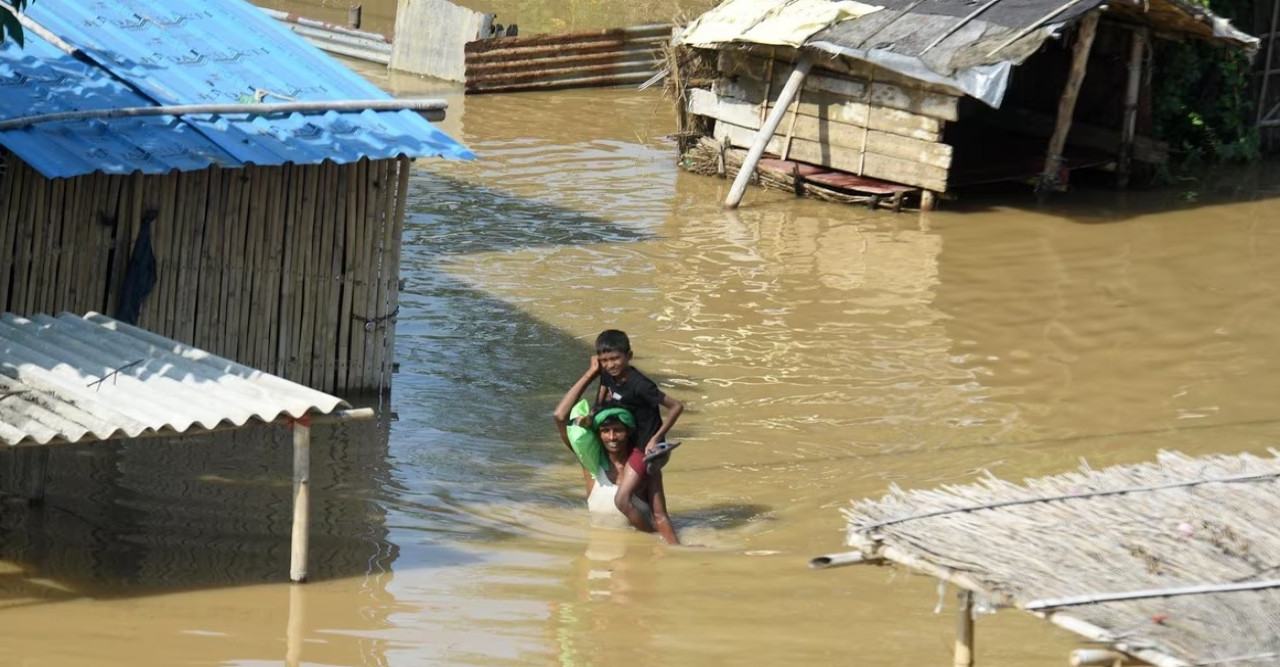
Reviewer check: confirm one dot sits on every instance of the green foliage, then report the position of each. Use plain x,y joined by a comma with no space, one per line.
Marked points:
10,28
1200,100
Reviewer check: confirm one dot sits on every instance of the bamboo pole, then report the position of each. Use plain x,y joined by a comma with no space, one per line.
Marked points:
275,247
240,193
252,309
10,195
837,560
366,267
1049,179
791,128
34,247
213,264
69,264
290,249
165,230
1133,86
348,201
295,630
1095,598
956,26
397,235
432,108
301,499
311,285
194,232
789,91
382,293
330,269
311,282
964,631
1266,68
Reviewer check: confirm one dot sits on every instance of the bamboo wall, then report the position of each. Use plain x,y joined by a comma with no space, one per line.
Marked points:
851,117
293,270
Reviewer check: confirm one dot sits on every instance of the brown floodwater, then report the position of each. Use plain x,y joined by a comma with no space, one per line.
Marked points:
825,352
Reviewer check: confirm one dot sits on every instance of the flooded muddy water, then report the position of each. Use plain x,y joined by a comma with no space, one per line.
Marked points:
824,352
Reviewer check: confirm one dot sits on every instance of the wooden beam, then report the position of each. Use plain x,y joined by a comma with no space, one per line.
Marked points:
964,631
1049,179
1137,46
301,499
788,93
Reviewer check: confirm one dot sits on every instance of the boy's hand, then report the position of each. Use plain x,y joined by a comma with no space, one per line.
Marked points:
594,365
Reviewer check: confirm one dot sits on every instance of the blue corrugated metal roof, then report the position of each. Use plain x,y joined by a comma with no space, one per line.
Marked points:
168,52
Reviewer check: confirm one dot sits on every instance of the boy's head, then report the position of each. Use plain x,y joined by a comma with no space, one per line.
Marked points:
613,348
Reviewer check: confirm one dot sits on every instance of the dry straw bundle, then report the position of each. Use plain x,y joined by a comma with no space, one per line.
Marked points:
1177,558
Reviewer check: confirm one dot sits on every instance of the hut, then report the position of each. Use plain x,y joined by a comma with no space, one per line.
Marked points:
198,170
920,97
1171,563
72,379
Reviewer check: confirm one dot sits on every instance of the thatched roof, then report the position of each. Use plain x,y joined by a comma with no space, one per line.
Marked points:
1196,540
967,44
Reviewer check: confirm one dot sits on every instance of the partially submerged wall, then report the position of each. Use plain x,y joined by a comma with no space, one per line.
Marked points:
852,117
293,270
431,36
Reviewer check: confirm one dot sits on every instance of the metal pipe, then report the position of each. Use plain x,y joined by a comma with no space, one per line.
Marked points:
423,105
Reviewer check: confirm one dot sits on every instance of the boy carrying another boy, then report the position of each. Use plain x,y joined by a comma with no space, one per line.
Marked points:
622,385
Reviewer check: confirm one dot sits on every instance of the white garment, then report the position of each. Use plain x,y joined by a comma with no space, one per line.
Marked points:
601,503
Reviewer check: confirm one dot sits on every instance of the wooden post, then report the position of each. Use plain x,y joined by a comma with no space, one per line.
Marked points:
301,498
928,200
295,629
789,91
1066,106
964,631
354,13
1137,46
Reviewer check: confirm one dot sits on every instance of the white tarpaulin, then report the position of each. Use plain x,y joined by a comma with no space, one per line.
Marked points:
770,22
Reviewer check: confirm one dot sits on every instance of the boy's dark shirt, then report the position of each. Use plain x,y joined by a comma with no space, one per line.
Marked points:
639,395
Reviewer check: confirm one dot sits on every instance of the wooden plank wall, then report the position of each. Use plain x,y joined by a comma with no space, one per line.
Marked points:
292,270
861,120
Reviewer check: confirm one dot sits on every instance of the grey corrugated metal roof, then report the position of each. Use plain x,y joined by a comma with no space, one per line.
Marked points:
131,53
964,44
73,379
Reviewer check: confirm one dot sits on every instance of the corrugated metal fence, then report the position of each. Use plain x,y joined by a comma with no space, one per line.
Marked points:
614,57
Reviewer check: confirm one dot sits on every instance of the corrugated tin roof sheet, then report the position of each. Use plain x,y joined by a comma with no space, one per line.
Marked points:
73,379
959,43
151,53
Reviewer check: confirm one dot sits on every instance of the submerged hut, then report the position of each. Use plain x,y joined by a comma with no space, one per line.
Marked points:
198,170
870,102
1170,564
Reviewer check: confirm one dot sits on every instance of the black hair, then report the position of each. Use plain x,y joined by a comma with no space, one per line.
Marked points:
613,340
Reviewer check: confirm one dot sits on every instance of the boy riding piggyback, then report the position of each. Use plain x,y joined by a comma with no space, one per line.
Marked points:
622,385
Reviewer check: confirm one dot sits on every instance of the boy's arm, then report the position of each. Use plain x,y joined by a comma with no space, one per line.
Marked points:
561,414
674,408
